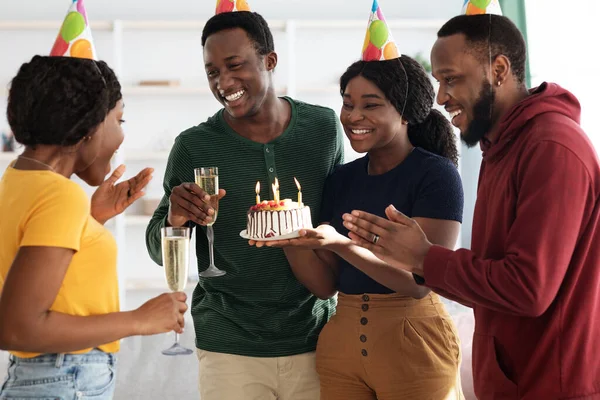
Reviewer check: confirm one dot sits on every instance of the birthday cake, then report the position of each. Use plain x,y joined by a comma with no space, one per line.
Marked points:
270,219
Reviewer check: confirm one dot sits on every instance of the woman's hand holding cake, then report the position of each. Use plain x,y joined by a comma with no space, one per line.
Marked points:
322,237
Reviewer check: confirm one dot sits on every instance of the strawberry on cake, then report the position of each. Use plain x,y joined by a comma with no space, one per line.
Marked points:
270,219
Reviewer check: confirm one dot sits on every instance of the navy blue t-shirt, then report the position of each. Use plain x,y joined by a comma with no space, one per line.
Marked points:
423,185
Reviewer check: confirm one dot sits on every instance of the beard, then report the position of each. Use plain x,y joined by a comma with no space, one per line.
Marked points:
482,116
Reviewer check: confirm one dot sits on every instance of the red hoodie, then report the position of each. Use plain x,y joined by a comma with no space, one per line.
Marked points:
533,274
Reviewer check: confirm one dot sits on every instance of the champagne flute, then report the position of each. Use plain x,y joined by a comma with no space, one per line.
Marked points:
208,179
176,258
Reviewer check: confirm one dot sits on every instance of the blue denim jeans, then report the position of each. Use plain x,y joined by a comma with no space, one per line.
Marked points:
61,377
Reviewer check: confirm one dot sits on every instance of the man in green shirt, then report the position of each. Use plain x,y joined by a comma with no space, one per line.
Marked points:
257,326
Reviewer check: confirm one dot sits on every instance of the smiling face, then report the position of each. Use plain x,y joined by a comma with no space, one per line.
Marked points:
97,151
370,121
238,76
465,90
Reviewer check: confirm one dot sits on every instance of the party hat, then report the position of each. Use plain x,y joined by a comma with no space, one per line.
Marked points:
379,44
475,7
75,36
224,6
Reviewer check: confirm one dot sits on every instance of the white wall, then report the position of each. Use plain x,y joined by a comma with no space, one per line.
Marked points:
204,9
568,56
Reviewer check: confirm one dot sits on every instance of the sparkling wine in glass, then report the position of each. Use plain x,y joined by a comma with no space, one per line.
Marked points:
176,257
208,179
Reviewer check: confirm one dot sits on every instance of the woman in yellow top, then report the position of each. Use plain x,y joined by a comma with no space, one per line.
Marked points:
59,305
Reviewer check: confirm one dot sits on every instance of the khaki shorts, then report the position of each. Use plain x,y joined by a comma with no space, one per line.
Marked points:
389,347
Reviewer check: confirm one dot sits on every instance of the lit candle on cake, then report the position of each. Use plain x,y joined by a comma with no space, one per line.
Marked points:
276,191
257,189
299,192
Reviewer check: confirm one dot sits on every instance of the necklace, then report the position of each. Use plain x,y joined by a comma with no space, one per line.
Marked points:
39,162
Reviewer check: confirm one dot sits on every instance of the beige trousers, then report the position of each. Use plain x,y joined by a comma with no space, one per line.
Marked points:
230,377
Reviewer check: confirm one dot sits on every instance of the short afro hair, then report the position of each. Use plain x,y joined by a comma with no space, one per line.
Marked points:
60,100
491,33
253,23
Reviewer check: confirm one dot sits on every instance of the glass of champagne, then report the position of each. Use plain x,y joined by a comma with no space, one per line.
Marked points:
176,258
208,179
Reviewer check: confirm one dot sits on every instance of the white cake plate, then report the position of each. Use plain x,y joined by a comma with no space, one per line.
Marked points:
291,235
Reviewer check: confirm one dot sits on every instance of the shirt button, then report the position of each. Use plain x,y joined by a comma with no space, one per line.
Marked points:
365,297
365,307
364,321
271,169
363,352
268,150
363,338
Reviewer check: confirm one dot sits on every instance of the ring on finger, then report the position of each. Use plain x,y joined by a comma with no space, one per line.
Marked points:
375,239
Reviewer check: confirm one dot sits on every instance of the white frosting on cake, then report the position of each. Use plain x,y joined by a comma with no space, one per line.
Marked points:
270,223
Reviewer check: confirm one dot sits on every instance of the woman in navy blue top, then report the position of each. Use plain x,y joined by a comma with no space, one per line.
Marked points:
390,338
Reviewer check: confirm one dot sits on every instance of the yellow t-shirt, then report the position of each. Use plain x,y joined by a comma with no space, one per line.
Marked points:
42,208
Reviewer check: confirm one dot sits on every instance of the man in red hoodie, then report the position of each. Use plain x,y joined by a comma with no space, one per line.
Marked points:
532,275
